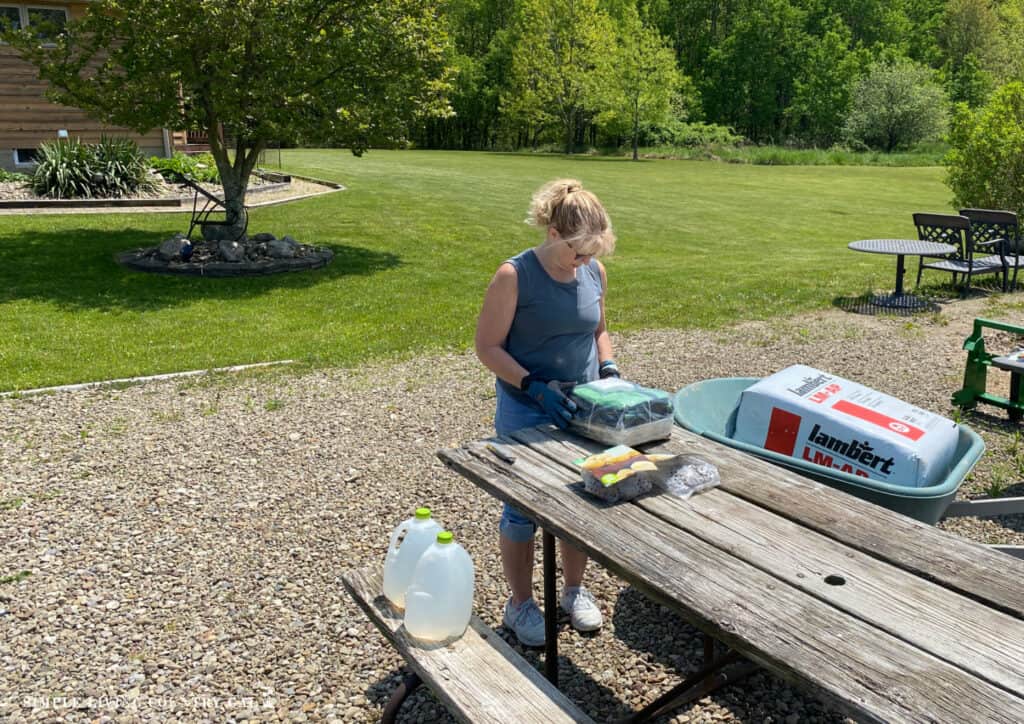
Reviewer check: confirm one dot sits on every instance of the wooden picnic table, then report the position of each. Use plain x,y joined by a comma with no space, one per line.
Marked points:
884,617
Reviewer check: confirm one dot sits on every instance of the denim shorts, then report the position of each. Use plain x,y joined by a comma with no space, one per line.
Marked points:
513,414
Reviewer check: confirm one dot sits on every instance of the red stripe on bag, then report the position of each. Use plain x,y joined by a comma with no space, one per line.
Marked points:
782,430
877,418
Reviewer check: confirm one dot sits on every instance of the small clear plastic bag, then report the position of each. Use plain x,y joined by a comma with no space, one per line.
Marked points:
691,475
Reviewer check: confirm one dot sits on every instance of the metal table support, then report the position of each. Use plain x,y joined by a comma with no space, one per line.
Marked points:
901,248
711,677
550,610
410,682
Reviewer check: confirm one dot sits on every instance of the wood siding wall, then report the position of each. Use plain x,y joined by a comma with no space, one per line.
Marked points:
28,118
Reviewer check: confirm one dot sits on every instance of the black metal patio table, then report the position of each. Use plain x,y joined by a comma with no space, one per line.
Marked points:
901,248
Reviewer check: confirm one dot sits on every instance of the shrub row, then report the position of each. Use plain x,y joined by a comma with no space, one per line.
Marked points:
201,167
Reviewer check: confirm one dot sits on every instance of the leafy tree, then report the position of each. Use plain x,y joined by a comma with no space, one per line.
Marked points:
638,80
481,58
874,22
1010,65
970,41
967,81
896,105
823,85
694,26
349,72
748,83
985,165
559,44
926,19
969,27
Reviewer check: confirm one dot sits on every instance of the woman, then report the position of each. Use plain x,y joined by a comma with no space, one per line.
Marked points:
543,320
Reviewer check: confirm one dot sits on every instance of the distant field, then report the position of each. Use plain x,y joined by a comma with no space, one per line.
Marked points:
417,236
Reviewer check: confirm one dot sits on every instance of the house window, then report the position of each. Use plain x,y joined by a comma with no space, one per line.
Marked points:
10,17
24,156
50,21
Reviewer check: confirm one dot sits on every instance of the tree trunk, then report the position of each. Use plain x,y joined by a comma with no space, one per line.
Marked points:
570,132
636,132
234,178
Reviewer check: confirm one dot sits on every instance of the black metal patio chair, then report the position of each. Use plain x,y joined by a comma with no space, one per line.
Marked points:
989,225
965,261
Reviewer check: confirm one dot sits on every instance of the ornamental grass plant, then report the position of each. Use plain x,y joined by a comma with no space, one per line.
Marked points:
70,169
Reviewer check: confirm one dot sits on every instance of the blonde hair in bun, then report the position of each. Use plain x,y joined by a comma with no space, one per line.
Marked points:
576,214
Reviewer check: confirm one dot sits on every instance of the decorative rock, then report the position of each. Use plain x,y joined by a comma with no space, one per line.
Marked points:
229,258
171,248
282,248
263,236
219,232
231,251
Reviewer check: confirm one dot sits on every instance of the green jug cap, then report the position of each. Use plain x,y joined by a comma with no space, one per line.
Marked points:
422,513
445,536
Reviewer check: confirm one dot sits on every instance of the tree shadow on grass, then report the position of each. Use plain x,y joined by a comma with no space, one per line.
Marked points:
75,269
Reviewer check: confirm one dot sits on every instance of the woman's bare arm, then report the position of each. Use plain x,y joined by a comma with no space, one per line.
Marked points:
493,325
601,336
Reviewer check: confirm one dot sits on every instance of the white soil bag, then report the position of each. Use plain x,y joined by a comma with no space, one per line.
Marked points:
806,413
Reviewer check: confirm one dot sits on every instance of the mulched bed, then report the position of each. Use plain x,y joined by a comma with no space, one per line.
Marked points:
185,538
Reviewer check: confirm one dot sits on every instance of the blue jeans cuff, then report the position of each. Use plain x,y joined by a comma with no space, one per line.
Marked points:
515,526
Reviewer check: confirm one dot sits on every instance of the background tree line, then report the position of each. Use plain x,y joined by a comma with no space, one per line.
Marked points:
882,74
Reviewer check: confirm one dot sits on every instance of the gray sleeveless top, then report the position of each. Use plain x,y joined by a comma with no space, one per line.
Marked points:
552,332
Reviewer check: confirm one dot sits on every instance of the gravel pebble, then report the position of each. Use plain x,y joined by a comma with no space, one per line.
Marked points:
185,539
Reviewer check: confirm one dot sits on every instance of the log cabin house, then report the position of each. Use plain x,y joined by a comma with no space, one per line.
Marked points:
28,118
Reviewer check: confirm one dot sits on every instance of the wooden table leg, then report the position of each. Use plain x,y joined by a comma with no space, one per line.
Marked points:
550,610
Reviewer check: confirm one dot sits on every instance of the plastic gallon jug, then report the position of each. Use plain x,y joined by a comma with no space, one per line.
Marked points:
420,533
439,601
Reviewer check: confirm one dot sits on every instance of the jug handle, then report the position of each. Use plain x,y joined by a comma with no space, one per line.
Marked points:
392,548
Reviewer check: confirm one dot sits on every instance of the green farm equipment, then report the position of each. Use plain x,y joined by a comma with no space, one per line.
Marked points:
976,373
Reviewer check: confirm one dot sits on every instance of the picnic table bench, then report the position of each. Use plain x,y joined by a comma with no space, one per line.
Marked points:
478,677
884,617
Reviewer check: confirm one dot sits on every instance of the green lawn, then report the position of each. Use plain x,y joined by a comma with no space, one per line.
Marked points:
417,236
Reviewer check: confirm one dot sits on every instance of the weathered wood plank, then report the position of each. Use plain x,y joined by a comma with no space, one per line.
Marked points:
947,624
931,552
791,632
478,677
956,563
920,612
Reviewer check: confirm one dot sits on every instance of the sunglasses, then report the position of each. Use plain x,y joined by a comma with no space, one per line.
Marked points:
579,256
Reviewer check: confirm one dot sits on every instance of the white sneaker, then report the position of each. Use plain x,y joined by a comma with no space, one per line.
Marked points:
582,609
526,621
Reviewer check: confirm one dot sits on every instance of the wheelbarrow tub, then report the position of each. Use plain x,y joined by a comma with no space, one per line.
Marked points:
709,407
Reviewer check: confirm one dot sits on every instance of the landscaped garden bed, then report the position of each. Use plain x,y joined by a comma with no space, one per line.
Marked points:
20,195
114,173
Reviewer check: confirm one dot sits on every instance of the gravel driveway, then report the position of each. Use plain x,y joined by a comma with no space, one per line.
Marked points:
183,539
